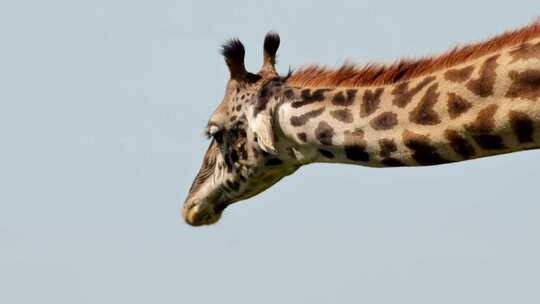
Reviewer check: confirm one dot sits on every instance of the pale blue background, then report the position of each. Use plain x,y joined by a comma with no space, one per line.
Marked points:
102,107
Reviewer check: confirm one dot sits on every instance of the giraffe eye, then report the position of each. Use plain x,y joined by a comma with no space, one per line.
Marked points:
215,132
218,136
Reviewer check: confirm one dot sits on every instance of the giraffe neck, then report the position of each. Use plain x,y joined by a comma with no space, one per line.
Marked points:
487,106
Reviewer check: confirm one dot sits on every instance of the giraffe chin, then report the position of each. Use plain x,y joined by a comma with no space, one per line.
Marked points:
200,214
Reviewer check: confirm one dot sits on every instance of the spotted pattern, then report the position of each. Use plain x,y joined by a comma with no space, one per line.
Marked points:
301,120
484,122
459,144
370,101
522,125
341,99
459,75
489,141
267,91
484,84
343,115
356,153
324,133
403,94
422,151
524,85
387,147
238,150
384,121
526,51
423,113
308,97
355,146
356,134
288,93
457,105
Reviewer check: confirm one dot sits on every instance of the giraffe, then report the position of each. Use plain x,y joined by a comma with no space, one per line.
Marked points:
474,101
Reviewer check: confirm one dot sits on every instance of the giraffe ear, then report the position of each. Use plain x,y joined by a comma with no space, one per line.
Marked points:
271,45
233,51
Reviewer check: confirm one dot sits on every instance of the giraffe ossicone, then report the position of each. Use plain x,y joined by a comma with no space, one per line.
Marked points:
479,100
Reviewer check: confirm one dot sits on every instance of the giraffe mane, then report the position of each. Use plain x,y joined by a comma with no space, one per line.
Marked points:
352,75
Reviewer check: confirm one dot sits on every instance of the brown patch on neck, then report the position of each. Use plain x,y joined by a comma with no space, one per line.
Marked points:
481,128
324,133
346,99
523,126
384,121
525,85
483,85
370,101
459,144
308,97
376,74
300,120
387,146
489,141
459,75
485,121
355,146
525,52
403,95
422,151
343,115
392,162
457,105
424,114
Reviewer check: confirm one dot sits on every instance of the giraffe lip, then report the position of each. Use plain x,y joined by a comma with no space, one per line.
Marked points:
197,216
200,214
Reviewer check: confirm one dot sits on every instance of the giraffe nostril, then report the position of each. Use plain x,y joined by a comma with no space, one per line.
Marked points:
190,206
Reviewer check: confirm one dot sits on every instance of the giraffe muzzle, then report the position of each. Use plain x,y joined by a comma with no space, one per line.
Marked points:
201,213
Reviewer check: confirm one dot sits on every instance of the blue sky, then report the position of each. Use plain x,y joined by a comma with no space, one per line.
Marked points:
102,109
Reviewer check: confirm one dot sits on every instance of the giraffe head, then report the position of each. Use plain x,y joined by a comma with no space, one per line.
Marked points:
244,156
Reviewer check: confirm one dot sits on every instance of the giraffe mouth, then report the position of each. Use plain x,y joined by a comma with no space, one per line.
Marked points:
200,214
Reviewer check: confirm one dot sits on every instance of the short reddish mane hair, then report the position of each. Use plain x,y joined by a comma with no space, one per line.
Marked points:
380,74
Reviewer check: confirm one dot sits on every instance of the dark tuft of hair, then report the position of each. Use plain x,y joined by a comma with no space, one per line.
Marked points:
233,50
271,43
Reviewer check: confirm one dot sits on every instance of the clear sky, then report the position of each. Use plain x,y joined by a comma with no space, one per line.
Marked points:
102,105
